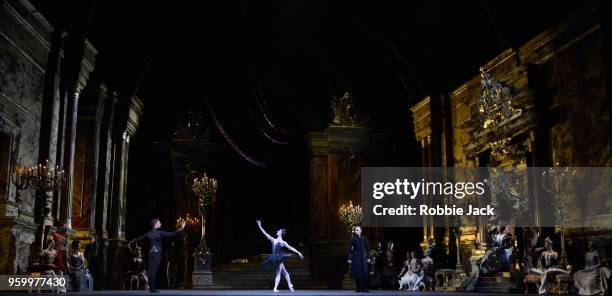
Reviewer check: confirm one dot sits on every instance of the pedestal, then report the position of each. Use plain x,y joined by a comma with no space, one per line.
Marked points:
202,273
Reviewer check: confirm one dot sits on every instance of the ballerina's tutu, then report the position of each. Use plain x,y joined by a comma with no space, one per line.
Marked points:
277,257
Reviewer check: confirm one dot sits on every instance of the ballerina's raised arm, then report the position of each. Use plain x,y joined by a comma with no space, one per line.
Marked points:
270,238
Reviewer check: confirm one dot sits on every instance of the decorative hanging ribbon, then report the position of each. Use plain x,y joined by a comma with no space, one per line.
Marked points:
264,111
231,141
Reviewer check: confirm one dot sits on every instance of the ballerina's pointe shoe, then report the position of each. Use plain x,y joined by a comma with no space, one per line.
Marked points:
275,291
291,288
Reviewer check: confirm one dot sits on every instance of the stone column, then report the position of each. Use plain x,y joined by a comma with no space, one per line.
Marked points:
71,122
319,199
105,165
127,120
335,165
50,104
76,77
127,117
85,175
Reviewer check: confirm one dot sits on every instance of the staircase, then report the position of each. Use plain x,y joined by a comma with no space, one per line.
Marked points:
252,276
502,282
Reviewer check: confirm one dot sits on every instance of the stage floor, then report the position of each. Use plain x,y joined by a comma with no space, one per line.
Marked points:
260,293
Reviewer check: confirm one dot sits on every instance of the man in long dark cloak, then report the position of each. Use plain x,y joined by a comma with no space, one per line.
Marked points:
358,255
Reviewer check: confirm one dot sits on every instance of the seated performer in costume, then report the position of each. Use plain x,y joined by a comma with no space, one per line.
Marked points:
76,265
593,279
429,269
547,265
533,247
411,276
389,272
435,252
278,257
60,236
497,258
47,265
377,263
155,236
137,274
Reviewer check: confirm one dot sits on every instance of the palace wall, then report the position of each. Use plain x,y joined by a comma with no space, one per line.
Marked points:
55,107
558,80
25,42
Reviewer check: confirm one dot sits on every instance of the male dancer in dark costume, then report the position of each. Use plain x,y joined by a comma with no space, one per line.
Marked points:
155,236
359,257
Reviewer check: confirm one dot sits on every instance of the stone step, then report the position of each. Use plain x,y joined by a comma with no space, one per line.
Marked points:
252,275
500,290
507,285
501,283
494,280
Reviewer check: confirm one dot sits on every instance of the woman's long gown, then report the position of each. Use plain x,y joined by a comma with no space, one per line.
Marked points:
593,279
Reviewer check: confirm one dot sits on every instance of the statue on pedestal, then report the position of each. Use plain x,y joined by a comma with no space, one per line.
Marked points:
345,113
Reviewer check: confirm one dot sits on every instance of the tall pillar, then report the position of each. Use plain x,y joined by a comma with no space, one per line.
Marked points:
71,121
127,121
104,190
105,166
335,166
127,117
49,129
76,75
86,153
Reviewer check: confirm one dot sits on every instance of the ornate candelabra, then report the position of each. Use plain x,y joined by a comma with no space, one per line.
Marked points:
350,215
559,181
42,179
205,189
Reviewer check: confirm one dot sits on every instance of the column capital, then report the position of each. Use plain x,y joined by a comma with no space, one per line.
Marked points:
129,111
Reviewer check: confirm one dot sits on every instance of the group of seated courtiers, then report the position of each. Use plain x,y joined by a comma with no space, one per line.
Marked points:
78,267
377,268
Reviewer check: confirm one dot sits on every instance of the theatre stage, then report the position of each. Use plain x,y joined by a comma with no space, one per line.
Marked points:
261,293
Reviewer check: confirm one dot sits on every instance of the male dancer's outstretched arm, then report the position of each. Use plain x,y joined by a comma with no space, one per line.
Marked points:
173,233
